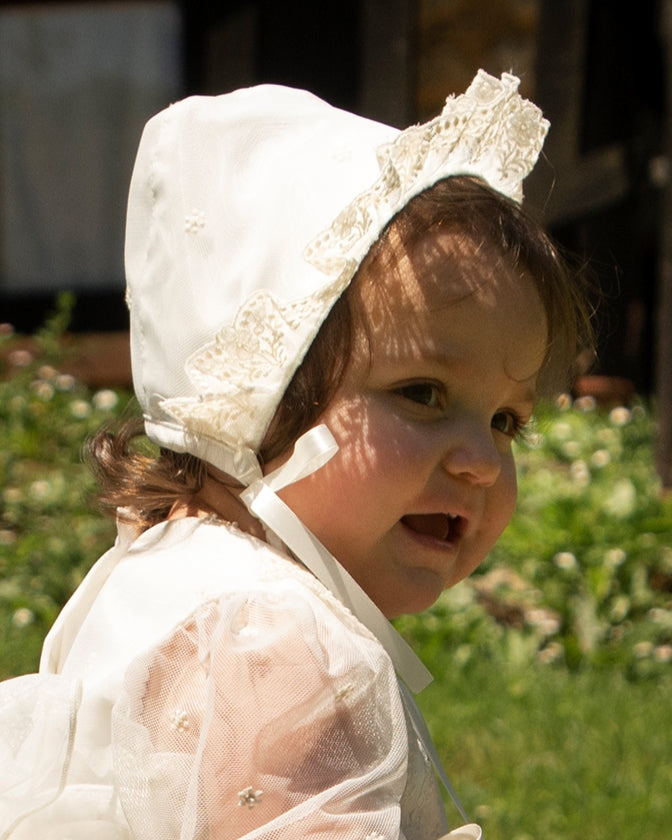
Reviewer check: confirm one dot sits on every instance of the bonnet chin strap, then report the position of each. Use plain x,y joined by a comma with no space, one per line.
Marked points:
311,451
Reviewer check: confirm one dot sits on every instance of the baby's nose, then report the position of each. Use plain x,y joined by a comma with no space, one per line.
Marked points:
472,455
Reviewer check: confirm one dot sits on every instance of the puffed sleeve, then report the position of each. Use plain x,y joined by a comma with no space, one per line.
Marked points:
264,715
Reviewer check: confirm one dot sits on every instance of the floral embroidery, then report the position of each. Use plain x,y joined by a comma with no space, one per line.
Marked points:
231,372
344,692
194,222
179,721
250,797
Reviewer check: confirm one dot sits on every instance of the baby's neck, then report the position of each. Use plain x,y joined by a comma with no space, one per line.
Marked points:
217,498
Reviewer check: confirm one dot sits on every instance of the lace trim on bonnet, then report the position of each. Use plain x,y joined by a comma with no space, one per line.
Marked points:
489,132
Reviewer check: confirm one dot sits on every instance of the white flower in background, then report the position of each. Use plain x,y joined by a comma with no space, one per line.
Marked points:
23,617
571,448
105,400
619,416
586,403
642,649
47,372
546,622
535,440
580,473
607,435
621,502
80,409
40,489
663,653
615,557
43,389
552,652
565,560
561,430
65,382
20,358
600,458
563,402
658,615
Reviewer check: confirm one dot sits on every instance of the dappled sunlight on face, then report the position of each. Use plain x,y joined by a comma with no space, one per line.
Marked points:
442,271
412,311
441,377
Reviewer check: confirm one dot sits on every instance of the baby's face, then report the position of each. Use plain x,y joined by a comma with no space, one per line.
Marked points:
424,480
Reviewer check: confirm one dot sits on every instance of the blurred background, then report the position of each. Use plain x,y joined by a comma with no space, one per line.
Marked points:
78,81
553,663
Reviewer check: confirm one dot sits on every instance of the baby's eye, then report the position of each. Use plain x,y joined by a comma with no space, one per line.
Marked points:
423,393
508,423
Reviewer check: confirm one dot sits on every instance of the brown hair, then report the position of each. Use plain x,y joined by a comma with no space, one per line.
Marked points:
147,485
470,208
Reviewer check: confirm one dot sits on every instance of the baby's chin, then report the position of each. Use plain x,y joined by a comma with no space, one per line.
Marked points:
417,599
414,599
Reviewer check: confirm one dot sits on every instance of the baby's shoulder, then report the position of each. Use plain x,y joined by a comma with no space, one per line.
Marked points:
252,616
201,562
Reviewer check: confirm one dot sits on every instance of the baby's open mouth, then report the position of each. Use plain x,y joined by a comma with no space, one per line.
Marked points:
441,526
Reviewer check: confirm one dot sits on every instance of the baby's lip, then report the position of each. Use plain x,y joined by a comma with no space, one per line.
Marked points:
440,526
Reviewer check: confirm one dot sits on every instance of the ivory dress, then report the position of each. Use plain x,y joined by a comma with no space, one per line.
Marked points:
201,685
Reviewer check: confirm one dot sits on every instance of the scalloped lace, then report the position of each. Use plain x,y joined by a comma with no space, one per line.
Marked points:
235,371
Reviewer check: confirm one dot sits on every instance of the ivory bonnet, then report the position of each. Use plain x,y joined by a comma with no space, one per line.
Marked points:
249,213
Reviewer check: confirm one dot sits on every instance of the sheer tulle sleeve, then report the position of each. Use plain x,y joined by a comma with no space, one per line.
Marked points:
265,715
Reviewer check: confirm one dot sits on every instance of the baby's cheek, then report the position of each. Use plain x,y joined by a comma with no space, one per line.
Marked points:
506,493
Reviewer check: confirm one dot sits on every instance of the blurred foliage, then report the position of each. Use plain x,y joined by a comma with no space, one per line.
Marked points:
49,534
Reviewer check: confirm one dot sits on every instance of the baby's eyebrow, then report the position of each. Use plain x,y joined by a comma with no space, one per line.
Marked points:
530,397
528,393
448,357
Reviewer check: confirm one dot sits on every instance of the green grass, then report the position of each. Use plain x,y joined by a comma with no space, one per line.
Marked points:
552,700
540,753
